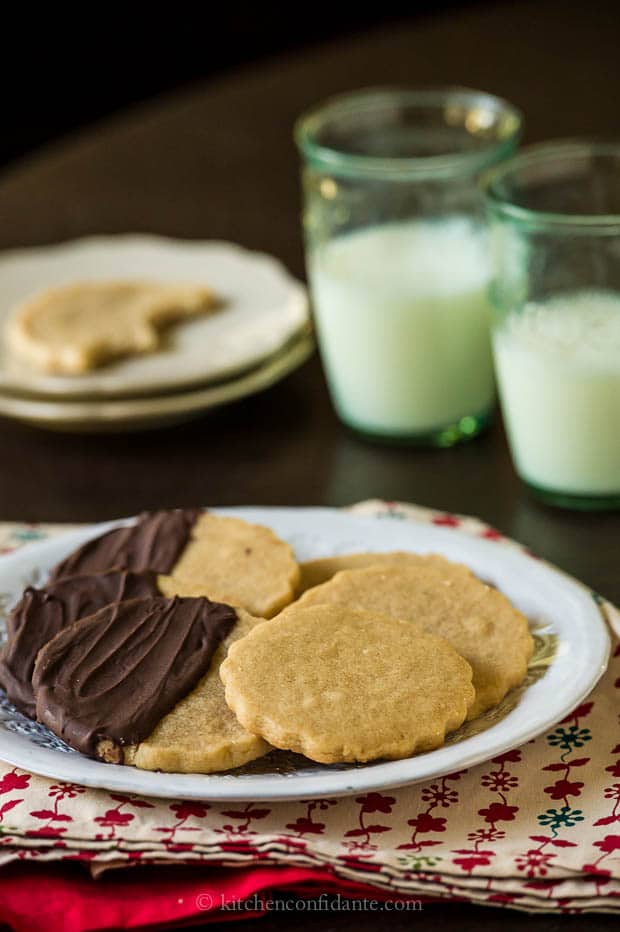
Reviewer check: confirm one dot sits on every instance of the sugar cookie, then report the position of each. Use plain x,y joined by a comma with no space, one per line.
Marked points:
446,599
71,329
316,572
197,553
233,561
105,682
338,684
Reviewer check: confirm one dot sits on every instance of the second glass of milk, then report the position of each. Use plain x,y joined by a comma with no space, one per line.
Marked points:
398,259
555,231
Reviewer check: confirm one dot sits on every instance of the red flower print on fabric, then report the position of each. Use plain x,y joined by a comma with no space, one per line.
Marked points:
534,863
498,812
472,858
188,808
375,802
245,817
114,817
500,781
439,795
563,788
369,804
425,822
14,781
305,825
608,844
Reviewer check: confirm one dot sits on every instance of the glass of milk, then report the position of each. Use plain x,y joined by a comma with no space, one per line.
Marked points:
397,256
555,236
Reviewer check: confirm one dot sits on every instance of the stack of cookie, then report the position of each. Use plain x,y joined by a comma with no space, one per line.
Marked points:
190,642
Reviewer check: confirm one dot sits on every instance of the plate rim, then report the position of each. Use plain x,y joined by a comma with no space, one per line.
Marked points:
18,751
191,402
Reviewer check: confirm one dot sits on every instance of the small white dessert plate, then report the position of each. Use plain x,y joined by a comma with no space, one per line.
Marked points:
263,307
557,605
111,415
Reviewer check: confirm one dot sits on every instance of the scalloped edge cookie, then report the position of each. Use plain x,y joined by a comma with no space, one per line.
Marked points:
448,600
230,560
341,685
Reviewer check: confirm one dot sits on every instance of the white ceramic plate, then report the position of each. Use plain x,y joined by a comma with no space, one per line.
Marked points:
551,599
107,415
263,308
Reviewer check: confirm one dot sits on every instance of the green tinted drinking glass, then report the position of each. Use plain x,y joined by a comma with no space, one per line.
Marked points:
397,257
555,231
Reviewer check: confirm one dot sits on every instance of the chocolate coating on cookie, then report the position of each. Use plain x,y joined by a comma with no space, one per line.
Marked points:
42,613
154,542
107,680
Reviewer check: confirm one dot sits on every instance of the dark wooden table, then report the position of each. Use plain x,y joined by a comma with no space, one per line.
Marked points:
218,161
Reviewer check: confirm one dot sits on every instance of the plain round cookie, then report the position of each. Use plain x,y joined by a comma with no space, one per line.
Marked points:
201,734
232,561
448,600
342,685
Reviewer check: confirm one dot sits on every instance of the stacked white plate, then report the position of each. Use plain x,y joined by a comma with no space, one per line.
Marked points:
260,334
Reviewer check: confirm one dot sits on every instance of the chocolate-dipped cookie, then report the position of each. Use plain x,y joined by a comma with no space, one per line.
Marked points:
201,734
43,613
197,553
103,683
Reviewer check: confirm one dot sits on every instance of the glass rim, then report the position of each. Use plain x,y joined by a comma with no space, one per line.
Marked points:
538,154
353,164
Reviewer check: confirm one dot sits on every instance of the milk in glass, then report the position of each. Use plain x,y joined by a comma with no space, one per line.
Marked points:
558,368
403,322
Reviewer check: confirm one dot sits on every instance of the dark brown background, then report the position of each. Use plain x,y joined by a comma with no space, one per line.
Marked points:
217,160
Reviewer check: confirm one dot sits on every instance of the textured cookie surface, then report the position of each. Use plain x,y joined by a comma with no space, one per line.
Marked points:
316,572
201,734
73,328
446,599
232,561
338,684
